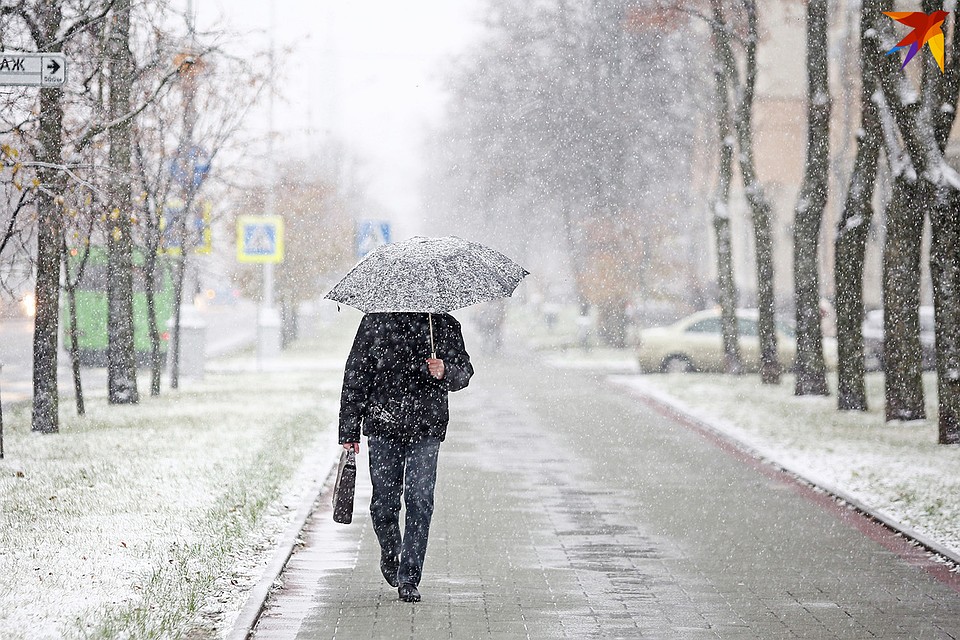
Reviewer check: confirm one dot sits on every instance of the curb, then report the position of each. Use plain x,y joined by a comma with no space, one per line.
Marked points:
665,403
249,615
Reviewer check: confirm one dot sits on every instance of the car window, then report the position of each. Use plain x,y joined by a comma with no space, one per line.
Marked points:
786,329
708,325
747,327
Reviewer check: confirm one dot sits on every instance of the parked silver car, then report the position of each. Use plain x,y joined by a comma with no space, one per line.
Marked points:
873,339
694,343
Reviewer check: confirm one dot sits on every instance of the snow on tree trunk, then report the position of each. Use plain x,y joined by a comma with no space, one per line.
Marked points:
720,209
918,169
810,369
71,282
49,242
944,214
945,271
759,205
121,357
150,276
851,239
901,303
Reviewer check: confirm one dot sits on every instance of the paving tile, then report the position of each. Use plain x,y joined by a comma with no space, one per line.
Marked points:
567,510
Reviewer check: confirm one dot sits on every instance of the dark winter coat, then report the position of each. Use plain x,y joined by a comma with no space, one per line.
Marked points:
386,384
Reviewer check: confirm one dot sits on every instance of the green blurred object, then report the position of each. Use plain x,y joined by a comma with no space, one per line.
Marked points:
92,307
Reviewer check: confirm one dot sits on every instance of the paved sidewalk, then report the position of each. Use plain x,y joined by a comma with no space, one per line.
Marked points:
566,509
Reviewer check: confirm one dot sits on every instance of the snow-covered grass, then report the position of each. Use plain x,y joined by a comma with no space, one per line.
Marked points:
151,521
896,468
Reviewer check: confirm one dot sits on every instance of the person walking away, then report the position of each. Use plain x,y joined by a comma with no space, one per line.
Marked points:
395,393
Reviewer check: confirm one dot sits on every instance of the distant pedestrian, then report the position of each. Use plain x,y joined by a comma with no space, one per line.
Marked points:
398,393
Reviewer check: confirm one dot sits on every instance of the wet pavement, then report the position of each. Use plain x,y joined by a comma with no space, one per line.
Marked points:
568,509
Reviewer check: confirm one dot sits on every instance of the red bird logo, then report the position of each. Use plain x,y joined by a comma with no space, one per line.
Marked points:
926,31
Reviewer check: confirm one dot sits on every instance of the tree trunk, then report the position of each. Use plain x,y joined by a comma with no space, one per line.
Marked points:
851,239
121,355
945,272
178,276
901,302
150,277
612,323
189,79
150,217
918,167
944,214
720,207
71,290
759,205
811,378
49,242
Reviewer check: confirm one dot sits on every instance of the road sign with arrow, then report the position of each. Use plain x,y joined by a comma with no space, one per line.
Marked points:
33,69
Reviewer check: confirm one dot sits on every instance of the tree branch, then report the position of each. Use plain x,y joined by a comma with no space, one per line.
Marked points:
88,137
82,24
13,219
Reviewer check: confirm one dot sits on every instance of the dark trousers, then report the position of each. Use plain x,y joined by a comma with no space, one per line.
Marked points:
409,468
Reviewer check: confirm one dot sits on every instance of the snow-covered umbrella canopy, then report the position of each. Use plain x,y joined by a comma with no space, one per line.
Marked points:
429,275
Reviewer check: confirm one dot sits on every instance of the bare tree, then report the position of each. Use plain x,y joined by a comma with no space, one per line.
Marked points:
809,367
943,92
45,23
720,206
901,252
41,25
74,266
745,92
558,130
929,184
121,358
851,236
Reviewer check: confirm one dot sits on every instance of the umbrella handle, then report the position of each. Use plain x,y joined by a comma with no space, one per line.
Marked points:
433,349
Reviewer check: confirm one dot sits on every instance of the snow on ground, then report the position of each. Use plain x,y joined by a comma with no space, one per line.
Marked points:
155,520
895,468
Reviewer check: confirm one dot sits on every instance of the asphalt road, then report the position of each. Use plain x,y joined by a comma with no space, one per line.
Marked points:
569,509
228,327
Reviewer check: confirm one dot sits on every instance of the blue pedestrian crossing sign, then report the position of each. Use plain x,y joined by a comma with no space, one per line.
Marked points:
259,239
370,235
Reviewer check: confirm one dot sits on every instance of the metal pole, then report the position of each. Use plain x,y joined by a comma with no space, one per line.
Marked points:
270,204
268,319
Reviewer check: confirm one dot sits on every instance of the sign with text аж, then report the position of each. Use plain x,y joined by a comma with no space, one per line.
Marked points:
259,239
33,69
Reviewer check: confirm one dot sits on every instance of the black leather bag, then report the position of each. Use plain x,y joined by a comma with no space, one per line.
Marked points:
344,488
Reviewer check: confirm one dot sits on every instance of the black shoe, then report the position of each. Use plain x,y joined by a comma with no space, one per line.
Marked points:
389,567
408,592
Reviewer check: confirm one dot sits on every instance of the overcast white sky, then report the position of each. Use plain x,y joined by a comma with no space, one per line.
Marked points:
367,70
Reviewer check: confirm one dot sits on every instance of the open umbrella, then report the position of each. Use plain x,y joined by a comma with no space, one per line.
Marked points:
428,275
